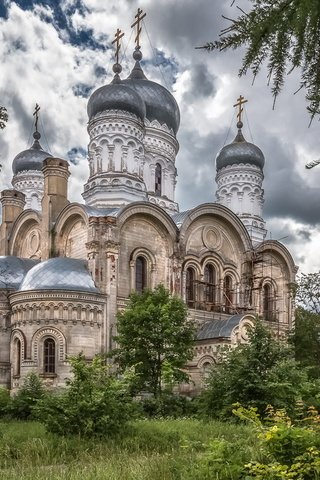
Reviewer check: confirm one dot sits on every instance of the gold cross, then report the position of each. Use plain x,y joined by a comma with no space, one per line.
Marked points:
240,101
139,18
35,113
118,35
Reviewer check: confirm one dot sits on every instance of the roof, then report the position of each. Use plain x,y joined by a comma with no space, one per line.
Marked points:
60,274
219,328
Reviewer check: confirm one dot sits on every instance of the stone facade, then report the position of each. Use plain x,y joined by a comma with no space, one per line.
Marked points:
67,268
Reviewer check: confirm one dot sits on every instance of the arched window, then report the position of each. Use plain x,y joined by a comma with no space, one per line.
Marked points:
158,180
210,283
228,293
190,287
141,274
17,358
268,303
49,355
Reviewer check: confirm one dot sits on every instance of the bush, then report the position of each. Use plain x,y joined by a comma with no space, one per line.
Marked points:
169,405
256,374
96,403
4,401
292,449
24,402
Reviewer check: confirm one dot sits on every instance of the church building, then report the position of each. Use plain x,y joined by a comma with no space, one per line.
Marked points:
67,268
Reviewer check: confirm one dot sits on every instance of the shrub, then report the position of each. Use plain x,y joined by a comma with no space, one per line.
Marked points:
96,403
291,448
169,405
24,402
4,401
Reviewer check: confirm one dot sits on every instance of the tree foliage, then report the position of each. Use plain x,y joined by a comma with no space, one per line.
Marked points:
285,35
307,291
26,399
305,339
155,336
3,117
256,374
96,403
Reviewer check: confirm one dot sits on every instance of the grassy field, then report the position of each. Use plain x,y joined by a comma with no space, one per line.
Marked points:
149,450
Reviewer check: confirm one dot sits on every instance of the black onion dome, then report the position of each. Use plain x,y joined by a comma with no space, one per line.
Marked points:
31,159
239,151
116,96
160,103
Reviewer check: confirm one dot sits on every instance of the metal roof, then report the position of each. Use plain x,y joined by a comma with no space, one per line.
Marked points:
60,274
219,328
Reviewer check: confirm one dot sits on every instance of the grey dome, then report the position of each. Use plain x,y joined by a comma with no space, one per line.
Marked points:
31,159
160,103
240,151
13,271
116,96
60,274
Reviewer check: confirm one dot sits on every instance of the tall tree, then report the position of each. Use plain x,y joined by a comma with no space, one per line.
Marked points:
3,117
284,34
154,335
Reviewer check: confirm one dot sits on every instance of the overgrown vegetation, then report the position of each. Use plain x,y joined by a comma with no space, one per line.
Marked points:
96,403
155,337
3,117
258,373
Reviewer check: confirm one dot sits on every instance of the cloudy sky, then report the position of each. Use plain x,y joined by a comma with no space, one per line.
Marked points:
56,52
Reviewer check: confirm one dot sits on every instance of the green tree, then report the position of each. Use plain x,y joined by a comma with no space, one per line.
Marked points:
284,34
256,374
96,403
155,336
305,339
3,117
307,291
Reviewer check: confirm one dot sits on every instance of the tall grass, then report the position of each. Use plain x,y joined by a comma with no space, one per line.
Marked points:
148,450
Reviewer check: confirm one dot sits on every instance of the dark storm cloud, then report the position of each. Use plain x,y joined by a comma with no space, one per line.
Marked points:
202,84
286,192
196,168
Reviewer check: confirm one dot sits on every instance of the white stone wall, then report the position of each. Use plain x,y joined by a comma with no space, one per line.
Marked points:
31,183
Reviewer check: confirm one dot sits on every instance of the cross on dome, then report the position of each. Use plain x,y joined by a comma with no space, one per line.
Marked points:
35,114
139,16
118,35
240,102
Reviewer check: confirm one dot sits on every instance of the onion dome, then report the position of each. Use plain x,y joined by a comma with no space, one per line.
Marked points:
240,152
31,159
116,96
59,274
160,103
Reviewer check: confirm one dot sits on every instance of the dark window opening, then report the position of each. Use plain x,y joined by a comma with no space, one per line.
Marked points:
17,358
210,284
268,303
158,180
49,355
141,274
190,287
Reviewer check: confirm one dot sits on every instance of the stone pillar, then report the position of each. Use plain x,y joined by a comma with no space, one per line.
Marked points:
13,203
55,198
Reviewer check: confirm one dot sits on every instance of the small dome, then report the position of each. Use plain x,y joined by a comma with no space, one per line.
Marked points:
13,271
116,96
31,159
240,151
60,274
